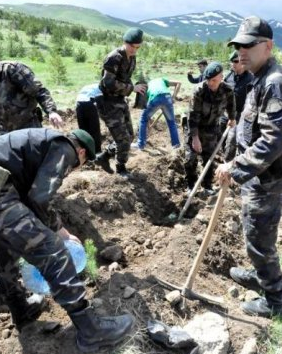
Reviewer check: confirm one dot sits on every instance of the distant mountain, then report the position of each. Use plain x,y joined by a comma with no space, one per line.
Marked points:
79,15
216,25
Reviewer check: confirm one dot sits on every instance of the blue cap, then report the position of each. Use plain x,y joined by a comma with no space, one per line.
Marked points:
213,69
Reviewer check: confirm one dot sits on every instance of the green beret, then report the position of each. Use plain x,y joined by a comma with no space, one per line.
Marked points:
213,69
133,35
233,55
86,141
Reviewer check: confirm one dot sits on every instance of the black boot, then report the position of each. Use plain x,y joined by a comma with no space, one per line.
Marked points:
208,189
25,311
94,332
122,171
261,307
102,159
246,278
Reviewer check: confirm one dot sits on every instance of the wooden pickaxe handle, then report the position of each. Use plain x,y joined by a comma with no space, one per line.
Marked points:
206,240
202,175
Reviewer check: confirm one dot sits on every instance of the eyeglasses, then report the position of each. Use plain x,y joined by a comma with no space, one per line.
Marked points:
235,61
237,46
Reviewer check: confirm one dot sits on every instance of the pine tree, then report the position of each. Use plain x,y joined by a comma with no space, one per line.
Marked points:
58,69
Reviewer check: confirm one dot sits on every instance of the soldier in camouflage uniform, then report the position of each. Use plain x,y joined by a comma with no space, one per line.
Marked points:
258,167
210,101
116,84
238,78
20,94
33,163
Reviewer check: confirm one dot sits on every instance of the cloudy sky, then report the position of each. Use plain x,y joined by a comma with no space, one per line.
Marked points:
136,10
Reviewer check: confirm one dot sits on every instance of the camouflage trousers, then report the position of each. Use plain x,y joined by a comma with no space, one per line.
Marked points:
261,211
115,113
208,141
22,234
230,145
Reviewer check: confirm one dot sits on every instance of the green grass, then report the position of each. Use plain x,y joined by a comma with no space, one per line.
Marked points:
80,74
273,345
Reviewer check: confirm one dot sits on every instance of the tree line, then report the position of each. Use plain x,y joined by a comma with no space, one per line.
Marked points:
62,35
68,40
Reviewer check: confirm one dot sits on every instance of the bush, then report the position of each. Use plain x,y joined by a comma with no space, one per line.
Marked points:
36,55
80,55
67,49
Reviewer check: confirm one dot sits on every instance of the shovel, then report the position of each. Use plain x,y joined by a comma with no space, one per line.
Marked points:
186,290
202,175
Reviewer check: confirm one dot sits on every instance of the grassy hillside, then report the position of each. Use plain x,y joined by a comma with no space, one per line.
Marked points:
156,58
78,15
78,74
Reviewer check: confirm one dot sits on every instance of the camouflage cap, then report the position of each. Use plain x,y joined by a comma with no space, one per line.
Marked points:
233,56
251,28
133,35
213,69
86,141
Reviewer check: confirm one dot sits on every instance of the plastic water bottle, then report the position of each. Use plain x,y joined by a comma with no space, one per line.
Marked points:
34,281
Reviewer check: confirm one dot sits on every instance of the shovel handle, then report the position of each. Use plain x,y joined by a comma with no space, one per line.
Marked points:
155,120
200,255
202,175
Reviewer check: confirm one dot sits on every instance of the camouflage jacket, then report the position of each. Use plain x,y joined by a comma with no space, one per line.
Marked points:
208,107
20,93
259,132
117,72
239,83
38,160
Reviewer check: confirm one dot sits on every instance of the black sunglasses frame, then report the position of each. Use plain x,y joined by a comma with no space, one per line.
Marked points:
237,46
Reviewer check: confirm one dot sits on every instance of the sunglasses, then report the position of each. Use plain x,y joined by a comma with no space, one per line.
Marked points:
237,46
235,61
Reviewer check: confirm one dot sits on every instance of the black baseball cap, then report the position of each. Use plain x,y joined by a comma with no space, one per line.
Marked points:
250,29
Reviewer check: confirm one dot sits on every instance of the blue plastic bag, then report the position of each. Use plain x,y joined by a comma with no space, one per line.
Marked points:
34,281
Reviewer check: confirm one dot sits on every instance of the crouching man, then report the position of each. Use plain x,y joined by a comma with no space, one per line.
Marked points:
33,163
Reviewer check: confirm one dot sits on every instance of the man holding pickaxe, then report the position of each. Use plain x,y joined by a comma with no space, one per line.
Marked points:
211,99
258,167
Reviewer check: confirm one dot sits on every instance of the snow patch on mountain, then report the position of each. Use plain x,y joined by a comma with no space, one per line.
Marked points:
156,22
